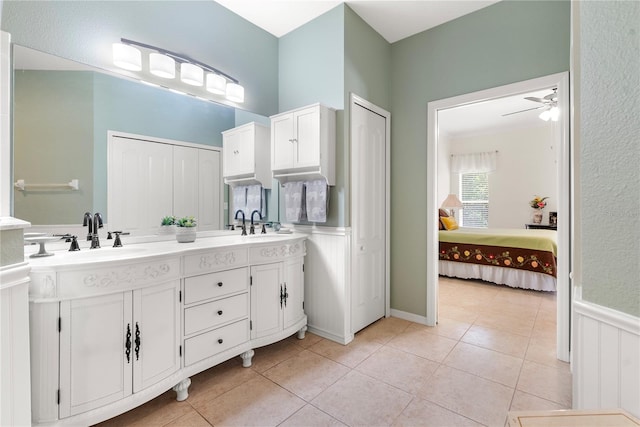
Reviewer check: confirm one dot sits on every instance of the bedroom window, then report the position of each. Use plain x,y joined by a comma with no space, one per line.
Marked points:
474,195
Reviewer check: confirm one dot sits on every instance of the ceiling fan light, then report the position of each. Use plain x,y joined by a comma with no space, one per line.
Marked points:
545,115
235,92
191,74
554,113
216,84
127,57
162,65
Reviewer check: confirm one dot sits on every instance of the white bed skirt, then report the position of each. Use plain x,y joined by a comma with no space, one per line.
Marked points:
500,275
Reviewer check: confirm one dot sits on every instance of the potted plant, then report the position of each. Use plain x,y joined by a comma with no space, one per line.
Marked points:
186,229
168,225
537,204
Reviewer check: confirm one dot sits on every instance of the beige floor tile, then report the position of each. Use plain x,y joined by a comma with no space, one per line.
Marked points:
484,401
267,357
546,382
446,327
213,382
423,413
310,416
308,340
190,419
457,312
359,400
544,328
423,344
488,364
307,374
494,339
157,412
405,371
258,402
527,402
350,355
383,330
543,351
509,323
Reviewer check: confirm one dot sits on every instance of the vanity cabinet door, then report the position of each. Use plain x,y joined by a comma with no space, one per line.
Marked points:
94,366
156,334
307,135
282,142
294,292
266,310
238,147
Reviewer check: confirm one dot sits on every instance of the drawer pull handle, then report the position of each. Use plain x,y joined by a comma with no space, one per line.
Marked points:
220,284
219,340
219,312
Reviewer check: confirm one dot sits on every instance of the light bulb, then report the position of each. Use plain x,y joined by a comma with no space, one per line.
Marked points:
162,65
191,74
127,57
235,92
216,84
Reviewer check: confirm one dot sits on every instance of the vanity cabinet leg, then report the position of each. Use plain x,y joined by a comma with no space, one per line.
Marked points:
182,389
301,332
246,358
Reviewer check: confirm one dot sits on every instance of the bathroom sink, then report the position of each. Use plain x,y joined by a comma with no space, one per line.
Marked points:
103,253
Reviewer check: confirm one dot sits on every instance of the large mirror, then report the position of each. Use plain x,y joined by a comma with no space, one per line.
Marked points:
62,112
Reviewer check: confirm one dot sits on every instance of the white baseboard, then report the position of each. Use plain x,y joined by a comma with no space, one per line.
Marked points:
409,316
606,358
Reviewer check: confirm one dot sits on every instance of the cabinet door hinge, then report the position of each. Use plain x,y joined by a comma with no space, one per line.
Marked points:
179,296
58,397
59,324
180,350
251,325
250,280
303,305
303,268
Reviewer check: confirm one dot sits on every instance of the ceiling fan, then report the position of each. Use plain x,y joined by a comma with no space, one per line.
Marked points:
548,103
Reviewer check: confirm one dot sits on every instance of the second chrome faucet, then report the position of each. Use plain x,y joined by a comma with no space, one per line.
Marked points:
94,224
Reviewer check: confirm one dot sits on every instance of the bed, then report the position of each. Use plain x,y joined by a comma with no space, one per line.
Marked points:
519,258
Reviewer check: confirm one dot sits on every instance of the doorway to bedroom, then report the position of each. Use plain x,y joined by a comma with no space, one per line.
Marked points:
495,152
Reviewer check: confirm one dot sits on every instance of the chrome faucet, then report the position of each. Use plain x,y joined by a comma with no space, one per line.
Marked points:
97,223
252,230
244,227
87,221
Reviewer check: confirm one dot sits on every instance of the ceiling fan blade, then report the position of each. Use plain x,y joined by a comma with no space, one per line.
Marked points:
522,111
534,99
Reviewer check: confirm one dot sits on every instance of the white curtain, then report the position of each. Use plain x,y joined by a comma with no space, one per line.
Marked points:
474,162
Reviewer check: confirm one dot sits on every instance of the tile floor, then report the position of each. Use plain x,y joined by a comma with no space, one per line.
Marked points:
492,351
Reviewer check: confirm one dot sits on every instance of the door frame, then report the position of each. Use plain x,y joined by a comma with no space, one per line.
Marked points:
565,216
358,100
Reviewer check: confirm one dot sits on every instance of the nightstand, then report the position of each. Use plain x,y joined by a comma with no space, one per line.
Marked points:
541,227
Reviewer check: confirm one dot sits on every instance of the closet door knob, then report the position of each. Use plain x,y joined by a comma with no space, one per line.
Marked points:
220,284
219,340
219,312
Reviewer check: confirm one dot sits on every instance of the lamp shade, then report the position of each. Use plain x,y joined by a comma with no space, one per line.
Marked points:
127,57
191,74
235,92
162,65
451,201
216,84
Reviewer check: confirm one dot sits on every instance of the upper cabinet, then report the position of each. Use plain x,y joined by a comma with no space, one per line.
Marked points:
303,144
246,151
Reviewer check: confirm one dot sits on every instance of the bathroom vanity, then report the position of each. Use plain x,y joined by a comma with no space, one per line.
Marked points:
112,328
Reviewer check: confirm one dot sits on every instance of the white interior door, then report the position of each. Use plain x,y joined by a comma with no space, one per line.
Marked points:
369,134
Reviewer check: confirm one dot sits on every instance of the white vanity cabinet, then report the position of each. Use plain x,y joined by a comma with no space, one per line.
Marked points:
246,154
303,144
277,296
114,345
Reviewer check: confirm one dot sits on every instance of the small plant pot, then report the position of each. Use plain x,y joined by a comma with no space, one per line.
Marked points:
167,229
185,234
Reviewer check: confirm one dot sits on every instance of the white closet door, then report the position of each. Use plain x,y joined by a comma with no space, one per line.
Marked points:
210,190
368,145
185,181
140,180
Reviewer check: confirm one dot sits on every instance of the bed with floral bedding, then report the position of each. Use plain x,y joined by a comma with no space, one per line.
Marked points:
519,258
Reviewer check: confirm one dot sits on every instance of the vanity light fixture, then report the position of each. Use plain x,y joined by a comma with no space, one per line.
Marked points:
162,63
127,57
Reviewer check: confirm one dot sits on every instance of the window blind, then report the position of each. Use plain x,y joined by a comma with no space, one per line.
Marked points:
474,195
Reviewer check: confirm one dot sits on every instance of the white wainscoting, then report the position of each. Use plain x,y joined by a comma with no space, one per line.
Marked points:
606,358
327,284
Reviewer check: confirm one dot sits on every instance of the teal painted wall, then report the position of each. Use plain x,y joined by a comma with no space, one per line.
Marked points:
204,30
608,139
504,43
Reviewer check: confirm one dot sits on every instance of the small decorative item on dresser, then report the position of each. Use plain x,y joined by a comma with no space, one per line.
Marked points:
553,219
168,225
186,229
537,204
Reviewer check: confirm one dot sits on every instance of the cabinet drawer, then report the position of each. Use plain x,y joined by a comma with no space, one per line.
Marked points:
214,313
213,342
215,285
218,260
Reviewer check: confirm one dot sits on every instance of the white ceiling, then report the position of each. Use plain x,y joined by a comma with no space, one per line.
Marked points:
392,19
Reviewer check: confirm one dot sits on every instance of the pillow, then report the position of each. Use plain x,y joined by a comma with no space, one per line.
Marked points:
441,213
449,222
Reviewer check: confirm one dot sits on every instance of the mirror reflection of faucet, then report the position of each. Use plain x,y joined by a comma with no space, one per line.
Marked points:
252,230
244,227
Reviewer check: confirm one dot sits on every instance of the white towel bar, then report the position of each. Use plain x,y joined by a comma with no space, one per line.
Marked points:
22,186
